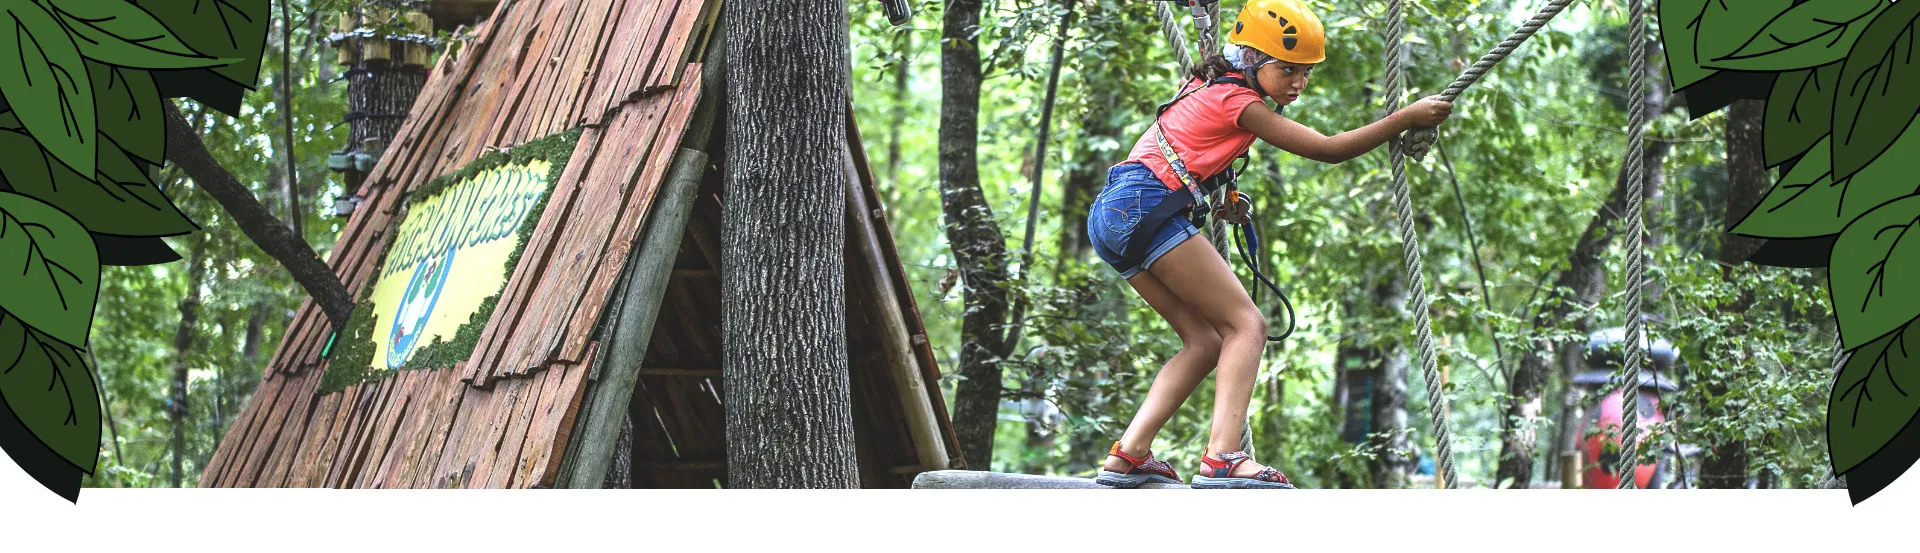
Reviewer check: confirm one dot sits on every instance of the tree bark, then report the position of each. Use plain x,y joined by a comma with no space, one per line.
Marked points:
978,246
380,95
903,43
183,345
283,102
187,151
1018,326
789,400
1726,464
1580,284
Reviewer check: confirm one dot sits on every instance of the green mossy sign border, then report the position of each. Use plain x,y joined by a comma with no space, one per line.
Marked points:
351,360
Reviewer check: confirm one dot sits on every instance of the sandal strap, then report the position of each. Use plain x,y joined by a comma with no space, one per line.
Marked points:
1226,464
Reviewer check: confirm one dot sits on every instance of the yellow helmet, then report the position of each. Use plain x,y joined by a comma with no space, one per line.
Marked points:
1284,29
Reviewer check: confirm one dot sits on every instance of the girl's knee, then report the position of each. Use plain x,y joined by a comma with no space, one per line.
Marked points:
1205,344
1245,322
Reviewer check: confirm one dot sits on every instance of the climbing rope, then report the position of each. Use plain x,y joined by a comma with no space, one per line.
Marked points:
1417,141
1410,244
1636,236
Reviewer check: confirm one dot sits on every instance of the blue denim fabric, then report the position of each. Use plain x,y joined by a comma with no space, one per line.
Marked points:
1132,191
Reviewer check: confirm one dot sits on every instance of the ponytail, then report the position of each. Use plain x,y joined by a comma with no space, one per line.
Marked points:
1212,68
1217,65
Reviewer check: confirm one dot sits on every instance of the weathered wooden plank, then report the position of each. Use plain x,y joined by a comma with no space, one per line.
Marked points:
319,427
629,138
488,98
353,444
419,465
301,318
315,476
540,387
592,300
292,432
270,391
360,475
669,67
553,66
518,86
452,457
481,451
403,436
532,266
554,429
645,38
634,83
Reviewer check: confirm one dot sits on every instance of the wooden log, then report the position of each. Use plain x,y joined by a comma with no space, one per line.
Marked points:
903,369
635,320
980,480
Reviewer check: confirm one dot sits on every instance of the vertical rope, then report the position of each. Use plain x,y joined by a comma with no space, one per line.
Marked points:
1636,247
1176,38
1410,244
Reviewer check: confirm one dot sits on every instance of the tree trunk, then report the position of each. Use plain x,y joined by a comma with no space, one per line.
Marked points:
903,43
1392,465
1581,283
283,102
789,399
380,94
187,151
1018,326
1726,465
182,346
978,247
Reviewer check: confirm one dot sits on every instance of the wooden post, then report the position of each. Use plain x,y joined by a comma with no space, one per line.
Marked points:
1570,470
922,424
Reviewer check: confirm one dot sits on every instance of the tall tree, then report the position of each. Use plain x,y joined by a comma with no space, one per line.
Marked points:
1391,464
182,350
789,403
1726,466
978,246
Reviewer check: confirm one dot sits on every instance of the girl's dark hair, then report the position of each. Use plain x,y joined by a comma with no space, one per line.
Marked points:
1212,68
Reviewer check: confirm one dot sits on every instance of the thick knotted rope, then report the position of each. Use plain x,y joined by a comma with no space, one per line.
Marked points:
1636,239
1410,244
1417,141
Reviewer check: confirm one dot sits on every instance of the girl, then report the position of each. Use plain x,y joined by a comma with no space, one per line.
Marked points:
1134,227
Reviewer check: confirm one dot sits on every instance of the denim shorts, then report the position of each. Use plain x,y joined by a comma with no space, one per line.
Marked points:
1132,191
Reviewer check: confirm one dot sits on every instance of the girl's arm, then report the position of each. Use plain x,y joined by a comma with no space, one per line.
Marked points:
1303,141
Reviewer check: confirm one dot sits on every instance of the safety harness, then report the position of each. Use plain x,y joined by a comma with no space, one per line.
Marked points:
1198,208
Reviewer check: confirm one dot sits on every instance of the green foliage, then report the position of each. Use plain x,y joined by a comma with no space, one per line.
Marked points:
1808,202
46,83
1798,111
1869,405
57,272
1807,34
125,35
226,29
1880,90
1873,268
51,389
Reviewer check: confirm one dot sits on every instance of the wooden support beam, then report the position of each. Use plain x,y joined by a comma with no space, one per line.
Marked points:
680,465
633,325
903,368
981,480
695,274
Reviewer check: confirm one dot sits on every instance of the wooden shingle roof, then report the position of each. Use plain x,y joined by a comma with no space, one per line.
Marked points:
625,74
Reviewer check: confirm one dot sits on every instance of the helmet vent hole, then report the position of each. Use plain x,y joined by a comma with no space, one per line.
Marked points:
1291,31
1238,27
1288,42
1283,21
1271,15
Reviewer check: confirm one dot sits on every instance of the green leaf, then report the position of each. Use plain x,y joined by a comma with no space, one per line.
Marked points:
1812,34
51,390
1799,112
232,29
1875,262
1879,90
1808,203
128,104
1693,30
1870,404
45,81
122,34
49,268
120,200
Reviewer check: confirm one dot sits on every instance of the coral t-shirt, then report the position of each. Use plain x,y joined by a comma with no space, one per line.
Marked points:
1205,131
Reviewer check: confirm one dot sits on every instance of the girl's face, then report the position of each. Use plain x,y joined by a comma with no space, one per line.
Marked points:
1284,81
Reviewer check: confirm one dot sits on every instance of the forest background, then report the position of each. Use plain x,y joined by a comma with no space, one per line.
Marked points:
1531,161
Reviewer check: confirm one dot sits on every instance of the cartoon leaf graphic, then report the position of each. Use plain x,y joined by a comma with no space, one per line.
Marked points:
1879,90
119,200
120,33
128,104
1799,112
1876,393
232,29
1875,263
45,80
49,268
1693,31
1808,203
1811,34
49,387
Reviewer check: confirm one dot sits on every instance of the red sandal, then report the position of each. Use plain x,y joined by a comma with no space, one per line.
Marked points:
1267,478
1139,471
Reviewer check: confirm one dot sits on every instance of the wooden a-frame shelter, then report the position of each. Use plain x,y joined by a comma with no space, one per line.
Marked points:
614,297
